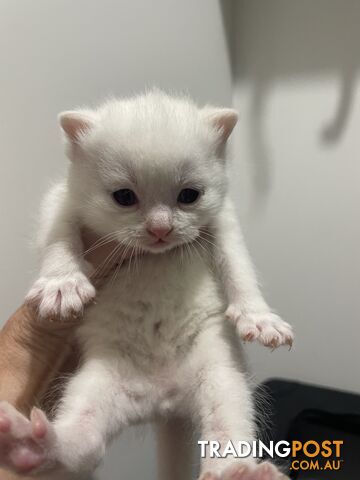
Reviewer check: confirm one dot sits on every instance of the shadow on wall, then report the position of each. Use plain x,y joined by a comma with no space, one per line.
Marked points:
228,11
278,40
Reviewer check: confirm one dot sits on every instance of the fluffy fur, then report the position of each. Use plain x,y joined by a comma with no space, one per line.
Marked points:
156,343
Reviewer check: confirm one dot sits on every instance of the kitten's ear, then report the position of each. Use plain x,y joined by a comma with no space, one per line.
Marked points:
75,124
222,119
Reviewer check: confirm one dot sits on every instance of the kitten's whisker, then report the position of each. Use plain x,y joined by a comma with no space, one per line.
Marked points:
181,255
111,259
208,242
188,250
119,264
206,234
117,269
194,245
198,242
131,257
102,267
123,257
68,263
207,231
129,261
209,258
209,250
137,262
101,241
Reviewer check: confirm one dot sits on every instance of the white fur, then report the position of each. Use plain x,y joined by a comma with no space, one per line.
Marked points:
155,343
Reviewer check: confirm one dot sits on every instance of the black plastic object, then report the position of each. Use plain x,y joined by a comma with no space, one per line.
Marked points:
297,411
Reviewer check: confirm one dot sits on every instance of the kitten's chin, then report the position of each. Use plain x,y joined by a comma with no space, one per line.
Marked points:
163,246
160,247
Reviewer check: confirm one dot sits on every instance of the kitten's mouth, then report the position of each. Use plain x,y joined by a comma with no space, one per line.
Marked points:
160,245
159,242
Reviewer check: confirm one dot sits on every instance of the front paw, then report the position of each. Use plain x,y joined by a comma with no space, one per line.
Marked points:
265,327
62,297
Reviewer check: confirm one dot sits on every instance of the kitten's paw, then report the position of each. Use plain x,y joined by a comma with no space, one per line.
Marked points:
63,297
274,331
258,471
209,476
267,327
25,445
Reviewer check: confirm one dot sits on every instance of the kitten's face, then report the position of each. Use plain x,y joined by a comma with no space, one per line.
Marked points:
148,171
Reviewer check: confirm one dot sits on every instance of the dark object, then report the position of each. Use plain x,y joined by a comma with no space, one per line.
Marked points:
304,412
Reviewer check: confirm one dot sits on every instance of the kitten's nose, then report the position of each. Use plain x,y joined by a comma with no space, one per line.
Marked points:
160,231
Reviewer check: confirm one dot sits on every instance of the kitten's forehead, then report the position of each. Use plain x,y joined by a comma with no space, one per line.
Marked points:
153,125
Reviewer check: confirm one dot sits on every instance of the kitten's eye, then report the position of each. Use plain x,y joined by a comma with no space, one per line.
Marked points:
125,197
188,195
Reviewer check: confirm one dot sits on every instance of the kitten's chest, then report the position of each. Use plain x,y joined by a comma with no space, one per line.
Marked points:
156,308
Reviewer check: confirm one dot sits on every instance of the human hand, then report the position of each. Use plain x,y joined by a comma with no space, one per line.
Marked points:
33,353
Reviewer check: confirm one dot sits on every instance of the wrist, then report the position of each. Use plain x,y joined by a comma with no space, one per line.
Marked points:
30,353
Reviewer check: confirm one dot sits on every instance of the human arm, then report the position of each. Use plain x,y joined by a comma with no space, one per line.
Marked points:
35,355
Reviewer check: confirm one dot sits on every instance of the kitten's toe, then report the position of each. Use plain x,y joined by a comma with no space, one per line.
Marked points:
265,327
23,441
286,332
267,471
209,476
237,471
76,292
274,332
250,471
61,297
248,331
245,326
34,296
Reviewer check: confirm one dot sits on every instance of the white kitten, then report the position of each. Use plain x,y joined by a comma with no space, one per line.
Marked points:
148,172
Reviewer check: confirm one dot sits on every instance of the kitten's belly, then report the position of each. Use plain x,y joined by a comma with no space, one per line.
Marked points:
154,309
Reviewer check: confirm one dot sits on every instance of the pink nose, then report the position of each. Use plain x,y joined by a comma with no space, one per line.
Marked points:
159,231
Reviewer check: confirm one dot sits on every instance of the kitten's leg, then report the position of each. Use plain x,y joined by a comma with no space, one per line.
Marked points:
95,407
175,449
63,287
247,308
222,408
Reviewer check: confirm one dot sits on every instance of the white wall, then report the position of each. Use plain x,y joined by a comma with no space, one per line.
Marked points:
297,161
297,182
60,54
